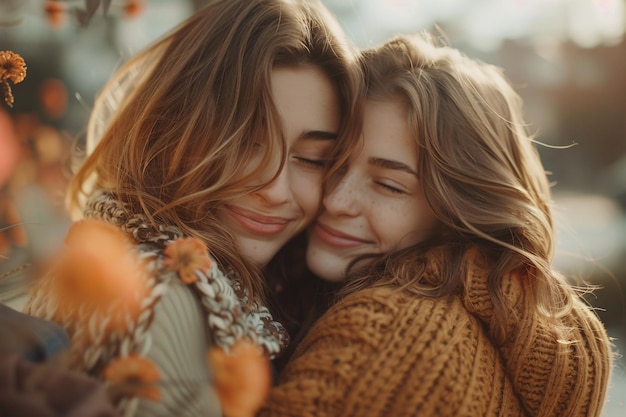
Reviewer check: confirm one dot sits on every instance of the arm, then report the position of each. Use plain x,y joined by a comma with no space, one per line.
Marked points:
175,342
328,364
382,353
559,367
34,339
179,350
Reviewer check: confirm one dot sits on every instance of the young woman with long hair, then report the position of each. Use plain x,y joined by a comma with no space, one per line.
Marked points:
215,138
440,228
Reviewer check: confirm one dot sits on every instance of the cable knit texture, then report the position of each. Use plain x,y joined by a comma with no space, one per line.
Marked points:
174,324
383,352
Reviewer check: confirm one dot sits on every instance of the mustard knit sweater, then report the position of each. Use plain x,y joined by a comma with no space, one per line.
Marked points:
383,352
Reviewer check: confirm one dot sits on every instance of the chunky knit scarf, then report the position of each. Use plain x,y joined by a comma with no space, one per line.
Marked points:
229,316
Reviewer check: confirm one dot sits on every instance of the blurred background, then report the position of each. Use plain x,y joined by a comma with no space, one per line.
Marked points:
567,58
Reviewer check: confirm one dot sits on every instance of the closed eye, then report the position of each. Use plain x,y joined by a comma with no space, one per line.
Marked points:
318,163
390,188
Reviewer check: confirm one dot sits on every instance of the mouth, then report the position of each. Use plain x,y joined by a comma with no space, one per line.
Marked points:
336,238
256,223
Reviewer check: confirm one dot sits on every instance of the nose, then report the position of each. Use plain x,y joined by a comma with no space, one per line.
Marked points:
278,191
343,198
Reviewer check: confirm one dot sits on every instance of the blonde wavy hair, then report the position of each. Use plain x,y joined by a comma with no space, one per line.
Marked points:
171,131
481,172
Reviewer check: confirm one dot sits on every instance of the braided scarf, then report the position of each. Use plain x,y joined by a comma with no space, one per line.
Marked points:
228,315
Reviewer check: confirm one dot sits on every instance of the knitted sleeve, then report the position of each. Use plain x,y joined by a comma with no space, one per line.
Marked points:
556,370
178,349
174,341
379,353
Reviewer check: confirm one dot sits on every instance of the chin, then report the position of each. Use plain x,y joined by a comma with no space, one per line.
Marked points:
327,268
259,255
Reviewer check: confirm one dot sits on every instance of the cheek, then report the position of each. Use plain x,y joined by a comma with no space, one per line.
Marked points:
307,191
421,228
397,225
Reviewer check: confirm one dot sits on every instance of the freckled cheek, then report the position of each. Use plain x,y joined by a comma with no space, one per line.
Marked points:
379,220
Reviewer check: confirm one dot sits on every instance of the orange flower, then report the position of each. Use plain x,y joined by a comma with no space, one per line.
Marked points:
55,13
185,256
12,67
53,97
98,268
133,8
242,378
134,375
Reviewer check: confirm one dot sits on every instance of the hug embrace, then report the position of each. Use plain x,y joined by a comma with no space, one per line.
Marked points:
378,223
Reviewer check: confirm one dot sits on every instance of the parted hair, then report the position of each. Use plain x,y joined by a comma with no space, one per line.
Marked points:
481,173
171,131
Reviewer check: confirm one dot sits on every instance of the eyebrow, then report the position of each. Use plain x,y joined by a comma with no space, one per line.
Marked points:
391,164
319,134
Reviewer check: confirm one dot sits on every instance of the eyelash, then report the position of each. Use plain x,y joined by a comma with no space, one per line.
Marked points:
390,188
319,163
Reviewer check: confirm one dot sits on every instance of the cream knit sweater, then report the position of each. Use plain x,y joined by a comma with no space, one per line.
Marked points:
381,352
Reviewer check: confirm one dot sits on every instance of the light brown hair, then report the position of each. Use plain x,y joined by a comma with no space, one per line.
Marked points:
198,101
481,173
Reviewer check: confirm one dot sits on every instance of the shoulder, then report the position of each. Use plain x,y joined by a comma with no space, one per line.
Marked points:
368,320
230,313
382,351
393,306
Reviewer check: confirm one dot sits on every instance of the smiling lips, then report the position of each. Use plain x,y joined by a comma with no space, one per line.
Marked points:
257,223
334,237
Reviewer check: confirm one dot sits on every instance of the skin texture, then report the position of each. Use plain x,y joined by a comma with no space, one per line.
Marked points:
379,204
264,221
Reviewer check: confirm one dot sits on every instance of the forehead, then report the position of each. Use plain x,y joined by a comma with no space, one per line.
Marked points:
306,99
387,133
301,84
